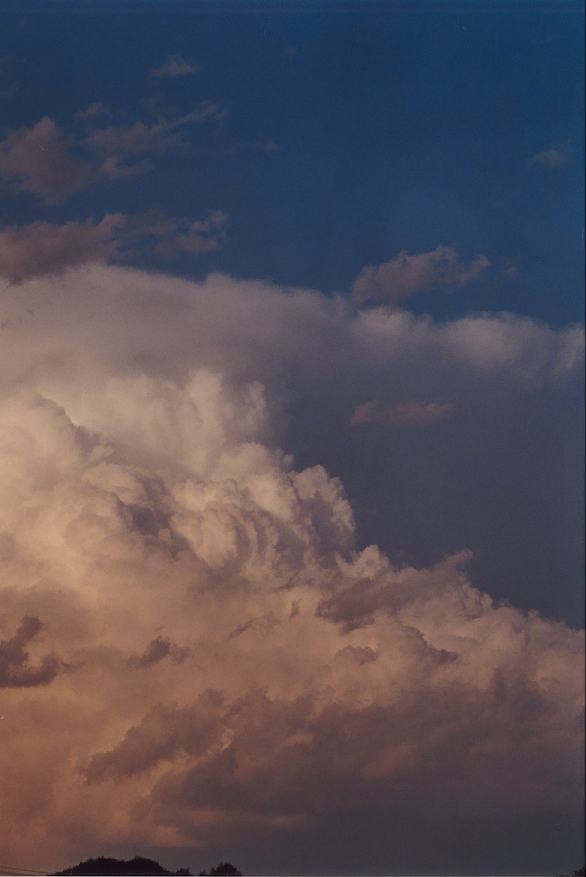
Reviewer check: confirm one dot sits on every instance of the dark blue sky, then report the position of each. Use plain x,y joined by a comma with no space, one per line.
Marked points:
399,129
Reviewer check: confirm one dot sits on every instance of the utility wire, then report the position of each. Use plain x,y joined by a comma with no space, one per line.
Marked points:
15,870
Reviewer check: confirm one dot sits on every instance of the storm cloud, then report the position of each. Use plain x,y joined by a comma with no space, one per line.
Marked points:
243,669
16,671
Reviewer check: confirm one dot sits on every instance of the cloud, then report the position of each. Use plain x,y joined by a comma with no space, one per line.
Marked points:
157,650
46,248
137,137
15,669
175,67
407,413
115,168
97,108
163,135
49,248
245,673
406,275
40,160
553,158
8,90
202,236
269,146
510,271
46,162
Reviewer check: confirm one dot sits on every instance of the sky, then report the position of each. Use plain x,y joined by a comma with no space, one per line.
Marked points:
291,476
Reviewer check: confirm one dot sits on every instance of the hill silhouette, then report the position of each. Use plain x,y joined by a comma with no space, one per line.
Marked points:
104,866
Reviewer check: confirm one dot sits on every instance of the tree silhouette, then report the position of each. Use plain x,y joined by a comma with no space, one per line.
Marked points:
224,869
106,866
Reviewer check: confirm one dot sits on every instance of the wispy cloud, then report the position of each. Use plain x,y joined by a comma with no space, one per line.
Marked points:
165,134
200,236
50,248
16,671
406,275
97,108
157,650
411,413
48,162
175,67
41,160
554,158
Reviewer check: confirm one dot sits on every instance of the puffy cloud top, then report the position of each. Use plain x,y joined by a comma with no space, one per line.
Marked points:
234,668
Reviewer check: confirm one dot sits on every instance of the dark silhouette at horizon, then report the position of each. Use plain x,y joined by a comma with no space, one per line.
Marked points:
224,869
104,866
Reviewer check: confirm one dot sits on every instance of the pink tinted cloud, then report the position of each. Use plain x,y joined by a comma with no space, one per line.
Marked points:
239,668
406,275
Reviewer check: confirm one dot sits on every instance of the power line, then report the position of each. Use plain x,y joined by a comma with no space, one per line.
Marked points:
16,870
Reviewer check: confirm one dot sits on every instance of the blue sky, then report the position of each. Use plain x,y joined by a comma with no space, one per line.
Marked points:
347,134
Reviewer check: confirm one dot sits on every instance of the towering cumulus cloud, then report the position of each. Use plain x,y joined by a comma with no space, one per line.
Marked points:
197,654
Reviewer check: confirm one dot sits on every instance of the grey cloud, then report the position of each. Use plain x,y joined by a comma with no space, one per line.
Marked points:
40,160
412,413
157,650
289,764
202,236
46,162
357,654
355,605
169,238
16,671
47,248
406,275
162,733
260,623
42,248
